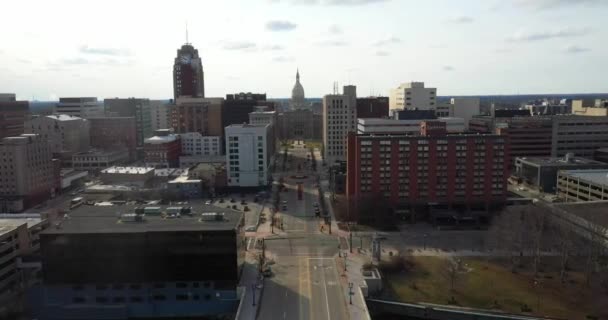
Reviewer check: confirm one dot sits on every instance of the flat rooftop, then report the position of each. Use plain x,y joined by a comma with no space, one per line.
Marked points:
593,211
128,170
106,219
596,176
9,222
561,162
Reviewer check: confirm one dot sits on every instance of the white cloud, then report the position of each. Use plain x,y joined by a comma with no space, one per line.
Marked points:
528,36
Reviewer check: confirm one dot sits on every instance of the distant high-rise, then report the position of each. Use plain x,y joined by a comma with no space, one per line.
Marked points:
412,95
339,117
13,114
188,75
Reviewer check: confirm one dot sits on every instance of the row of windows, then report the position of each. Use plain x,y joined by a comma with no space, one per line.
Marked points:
139,299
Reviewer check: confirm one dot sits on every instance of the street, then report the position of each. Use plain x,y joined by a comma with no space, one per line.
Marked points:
306,281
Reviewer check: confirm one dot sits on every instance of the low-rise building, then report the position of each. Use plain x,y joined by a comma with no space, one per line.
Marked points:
587,107
136,176
95,160
185,187
582,185
541,173
191,161
372,107
126,261
163,149
212,175
71,178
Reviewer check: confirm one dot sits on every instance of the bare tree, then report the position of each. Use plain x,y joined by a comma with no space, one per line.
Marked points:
507,233
535,222
594,247
565,238
452,270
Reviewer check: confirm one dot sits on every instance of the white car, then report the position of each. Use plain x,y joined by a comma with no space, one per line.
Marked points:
208,202
250,228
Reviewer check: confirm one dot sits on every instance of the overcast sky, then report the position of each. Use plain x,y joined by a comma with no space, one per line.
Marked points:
50,49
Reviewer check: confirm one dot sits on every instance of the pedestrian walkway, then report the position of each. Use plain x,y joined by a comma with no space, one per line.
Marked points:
354,263
253,288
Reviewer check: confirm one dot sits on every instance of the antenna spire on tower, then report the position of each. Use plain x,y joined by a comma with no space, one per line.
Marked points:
187,33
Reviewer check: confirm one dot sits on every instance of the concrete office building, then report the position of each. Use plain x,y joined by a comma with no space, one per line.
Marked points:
19,238
238,106
155,265
541,173
582,185
163,149
82,107
160,114
202,115
195,144
580,135
13,115
372,107
28,174
465,108
433,168
588,107
114,133
249,153
339,118
413,95
266,117
95,160
65,134
392,126
136,108
188,74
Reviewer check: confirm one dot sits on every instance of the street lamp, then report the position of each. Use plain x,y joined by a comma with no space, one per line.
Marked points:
345,254
350,292
253,290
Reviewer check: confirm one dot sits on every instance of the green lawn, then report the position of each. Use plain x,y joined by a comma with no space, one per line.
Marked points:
485,282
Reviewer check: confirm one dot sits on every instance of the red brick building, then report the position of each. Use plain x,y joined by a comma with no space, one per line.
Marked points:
454,170
111,133
163,150
372,107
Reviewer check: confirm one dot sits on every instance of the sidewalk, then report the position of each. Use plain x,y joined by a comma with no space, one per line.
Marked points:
249,279
354,263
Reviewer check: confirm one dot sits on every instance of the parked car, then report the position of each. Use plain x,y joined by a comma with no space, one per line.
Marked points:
250,228
208,202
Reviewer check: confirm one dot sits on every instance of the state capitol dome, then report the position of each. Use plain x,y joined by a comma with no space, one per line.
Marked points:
297,93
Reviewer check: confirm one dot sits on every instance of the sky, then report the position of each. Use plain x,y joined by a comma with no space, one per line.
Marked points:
126,48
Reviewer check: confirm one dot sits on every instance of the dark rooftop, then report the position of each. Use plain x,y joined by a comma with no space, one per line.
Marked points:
122,219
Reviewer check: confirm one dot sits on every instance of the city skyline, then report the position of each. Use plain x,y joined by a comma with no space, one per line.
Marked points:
506,47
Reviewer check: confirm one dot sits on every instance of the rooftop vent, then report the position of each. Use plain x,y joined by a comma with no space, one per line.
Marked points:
212,216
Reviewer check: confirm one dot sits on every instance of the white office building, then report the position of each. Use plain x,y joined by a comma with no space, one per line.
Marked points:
339,118
160,114
248,154
64,134
412,95
196,144
83,107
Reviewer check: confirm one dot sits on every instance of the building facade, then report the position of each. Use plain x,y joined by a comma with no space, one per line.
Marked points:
195,144
82,107
339,118
237,107
95,160
160,114
582,185
249,153
136,108
580,135
13,115
114,133
468,170
153,267
188,74
588,107
28,174
163,149
465,108
202,115
300,124
413,95
65,134
372,107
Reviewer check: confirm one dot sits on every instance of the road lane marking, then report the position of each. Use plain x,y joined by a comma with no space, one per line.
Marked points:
326,297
